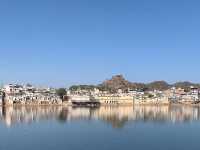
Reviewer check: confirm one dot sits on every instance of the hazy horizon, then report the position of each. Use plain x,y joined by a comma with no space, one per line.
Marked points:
63,42
88,83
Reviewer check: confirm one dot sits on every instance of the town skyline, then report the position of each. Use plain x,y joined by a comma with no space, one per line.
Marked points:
120,79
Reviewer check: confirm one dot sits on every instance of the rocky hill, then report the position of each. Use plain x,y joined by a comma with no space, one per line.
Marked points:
115,83
158,85
119,82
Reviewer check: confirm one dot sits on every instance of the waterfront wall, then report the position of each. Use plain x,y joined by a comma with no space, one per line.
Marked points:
115,100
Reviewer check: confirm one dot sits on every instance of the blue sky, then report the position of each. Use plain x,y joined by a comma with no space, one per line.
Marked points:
64,42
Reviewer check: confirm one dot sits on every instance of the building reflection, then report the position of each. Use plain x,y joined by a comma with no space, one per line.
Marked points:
117,116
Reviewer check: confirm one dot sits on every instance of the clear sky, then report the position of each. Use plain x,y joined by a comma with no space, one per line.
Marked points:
64,42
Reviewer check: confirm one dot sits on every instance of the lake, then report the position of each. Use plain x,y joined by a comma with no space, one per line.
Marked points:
103,128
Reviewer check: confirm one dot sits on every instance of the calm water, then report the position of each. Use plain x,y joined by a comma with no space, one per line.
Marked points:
104,128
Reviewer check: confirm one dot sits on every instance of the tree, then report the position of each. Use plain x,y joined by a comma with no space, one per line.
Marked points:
61,92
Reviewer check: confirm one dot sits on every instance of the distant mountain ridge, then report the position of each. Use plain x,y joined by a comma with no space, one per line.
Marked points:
119,82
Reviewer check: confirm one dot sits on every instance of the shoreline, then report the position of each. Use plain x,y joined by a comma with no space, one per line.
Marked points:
111,105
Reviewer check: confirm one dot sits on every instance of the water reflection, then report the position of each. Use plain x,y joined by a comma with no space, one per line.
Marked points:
117,116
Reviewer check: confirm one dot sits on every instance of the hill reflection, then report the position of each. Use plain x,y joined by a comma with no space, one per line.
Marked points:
117,116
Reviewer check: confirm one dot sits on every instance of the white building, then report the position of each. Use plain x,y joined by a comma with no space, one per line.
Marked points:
12,88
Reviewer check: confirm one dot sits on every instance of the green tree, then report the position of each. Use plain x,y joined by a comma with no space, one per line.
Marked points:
61,92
